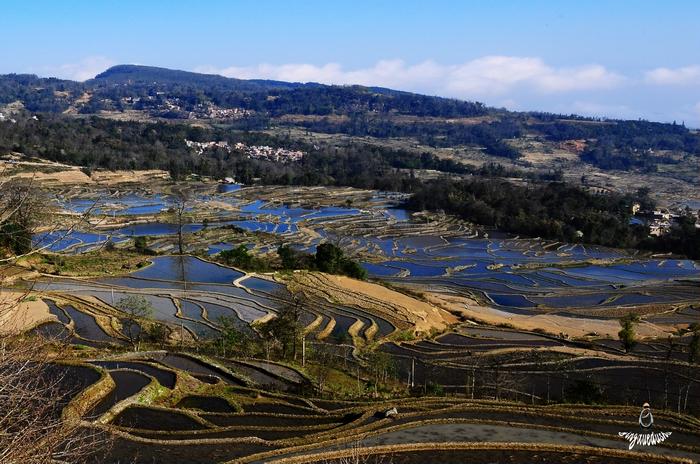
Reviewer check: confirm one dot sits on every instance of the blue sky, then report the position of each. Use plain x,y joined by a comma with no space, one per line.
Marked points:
614,58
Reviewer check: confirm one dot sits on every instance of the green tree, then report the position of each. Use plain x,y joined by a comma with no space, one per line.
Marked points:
627,333
288,256
141,244
584,391
21,210
331,259
237,257
353,269
323,360
328,258
158,334
381,367
231,338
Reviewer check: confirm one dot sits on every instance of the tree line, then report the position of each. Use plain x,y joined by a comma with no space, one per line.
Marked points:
328,258
542,208
554,210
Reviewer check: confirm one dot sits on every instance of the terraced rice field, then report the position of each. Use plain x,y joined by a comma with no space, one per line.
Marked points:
249,425
127,383
464,390
490,362
444,256
190,294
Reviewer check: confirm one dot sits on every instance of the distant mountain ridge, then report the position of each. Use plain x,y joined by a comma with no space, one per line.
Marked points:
125,73
157,94
122,81
140,73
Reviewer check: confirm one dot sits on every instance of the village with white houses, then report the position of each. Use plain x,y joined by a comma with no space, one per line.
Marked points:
175,108
276,154
660,220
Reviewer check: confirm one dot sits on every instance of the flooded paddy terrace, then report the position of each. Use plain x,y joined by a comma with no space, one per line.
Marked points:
431,253
191,297
198,409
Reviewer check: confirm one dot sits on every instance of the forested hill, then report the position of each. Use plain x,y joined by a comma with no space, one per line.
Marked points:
158,94
135,74
116,88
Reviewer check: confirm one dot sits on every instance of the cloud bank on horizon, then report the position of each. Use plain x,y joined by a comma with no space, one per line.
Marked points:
485,76
513,82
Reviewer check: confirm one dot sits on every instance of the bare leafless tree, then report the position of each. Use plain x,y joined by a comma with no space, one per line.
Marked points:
322,366
25,210
33,387
136,309
182,199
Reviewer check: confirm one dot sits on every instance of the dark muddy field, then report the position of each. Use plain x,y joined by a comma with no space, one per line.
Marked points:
140,453
127,383
164,377
138,417
197,367
206,404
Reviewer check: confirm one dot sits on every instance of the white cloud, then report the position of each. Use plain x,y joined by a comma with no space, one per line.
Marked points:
674,76
87,68
384,73
481,77
499,74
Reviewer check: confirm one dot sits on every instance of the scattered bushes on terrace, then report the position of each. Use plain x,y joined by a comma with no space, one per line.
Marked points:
329,258
241,258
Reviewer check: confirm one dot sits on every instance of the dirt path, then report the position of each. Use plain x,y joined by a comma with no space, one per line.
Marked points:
377,299
18,315
47,173
552,323
501,433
